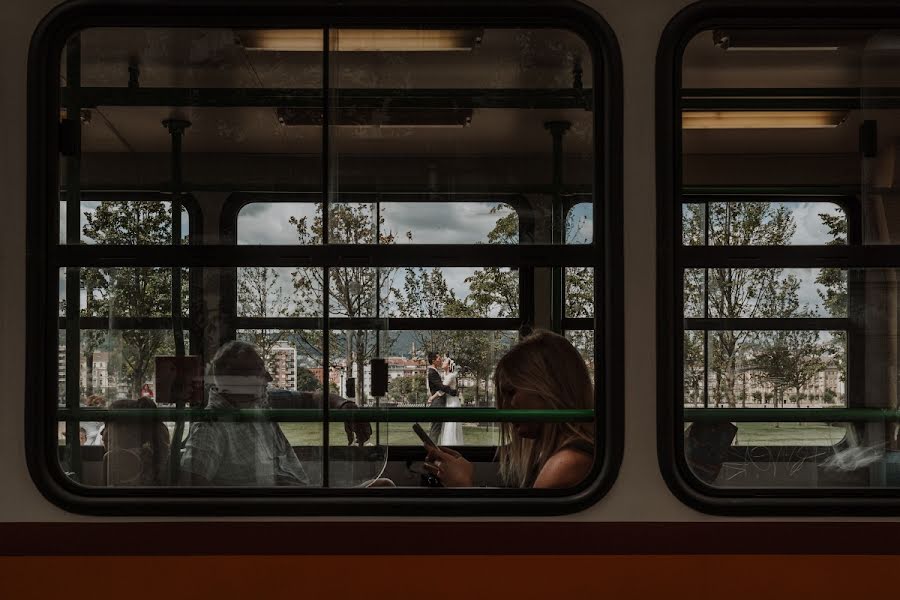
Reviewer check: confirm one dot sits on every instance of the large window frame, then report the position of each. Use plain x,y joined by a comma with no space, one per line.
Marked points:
45,257
673,257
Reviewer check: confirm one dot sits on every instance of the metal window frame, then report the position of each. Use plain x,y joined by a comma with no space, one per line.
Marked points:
672,256
44,258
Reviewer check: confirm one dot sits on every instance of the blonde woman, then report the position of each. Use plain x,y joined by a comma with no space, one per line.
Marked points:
542,371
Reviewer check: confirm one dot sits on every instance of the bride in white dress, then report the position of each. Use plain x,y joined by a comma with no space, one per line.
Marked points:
451,433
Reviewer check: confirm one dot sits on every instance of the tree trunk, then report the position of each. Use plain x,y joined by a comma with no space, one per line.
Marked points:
89,367
730,367
360,367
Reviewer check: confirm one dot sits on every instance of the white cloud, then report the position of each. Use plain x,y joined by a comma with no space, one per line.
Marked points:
811,230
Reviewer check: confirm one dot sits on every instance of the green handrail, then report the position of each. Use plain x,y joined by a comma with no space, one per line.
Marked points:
310,415
799,415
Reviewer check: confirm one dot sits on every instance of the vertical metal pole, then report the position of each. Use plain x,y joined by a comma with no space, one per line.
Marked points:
326,308
73,274
557,130
176,129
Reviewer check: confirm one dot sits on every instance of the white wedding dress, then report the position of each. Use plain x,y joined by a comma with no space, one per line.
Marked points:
451,433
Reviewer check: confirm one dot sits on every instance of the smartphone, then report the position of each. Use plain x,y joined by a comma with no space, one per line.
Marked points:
423,436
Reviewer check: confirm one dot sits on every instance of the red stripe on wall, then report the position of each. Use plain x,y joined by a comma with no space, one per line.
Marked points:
446,538
737,577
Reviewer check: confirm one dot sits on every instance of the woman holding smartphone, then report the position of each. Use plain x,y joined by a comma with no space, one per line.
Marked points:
542,371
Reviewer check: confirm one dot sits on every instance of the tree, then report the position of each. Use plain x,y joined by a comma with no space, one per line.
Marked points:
408,389
494,291
131,292
426,295
260,295
833,290
736,293
353,292
579,290
789,360
307,380
693,367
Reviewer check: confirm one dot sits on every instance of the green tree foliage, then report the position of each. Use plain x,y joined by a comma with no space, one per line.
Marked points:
353,292
408,389
494,291
425,294
788,360
833,290
307,380
735,293
130,292
260,295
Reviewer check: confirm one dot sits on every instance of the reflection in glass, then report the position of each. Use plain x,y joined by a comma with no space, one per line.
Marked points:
766,369
763,223
125,222
765,293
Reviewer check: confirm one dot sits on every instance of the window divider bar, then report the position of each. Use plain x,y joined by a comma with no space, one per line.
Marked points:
326,230
336,255
379,324
749,257
766,324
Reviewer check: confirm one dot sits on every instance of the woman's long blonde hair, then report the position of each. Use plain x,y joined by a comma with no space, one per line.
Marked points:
545,364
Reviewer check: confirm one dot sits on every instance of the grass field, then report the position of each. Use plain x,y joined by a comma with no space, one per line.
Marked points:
789,434
392,434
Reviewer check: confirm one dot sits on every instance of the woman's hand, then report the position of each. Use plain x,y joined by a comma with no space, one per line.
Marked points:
450,467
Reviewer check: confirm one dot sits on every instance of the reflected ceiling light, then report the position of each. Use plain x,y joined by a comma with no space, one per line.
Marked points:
378,117
772,41
762,119
361,40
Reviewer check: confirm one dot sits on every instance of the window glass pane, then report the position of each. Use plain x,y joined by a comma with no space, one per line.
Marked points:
580,224
763,223
119,292
441,125
583,340
217,374
193,112
428,222
126,222
776,112
579,291
279,292
765,293
788,375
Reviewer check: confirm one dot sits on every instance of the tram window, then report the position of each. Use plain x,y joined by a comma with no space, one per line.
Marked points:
248,218
784,322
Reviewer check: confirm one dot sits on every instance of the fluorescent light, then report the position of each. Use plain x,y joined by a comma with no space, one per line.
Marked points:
775,41
361,40
765,119
783,49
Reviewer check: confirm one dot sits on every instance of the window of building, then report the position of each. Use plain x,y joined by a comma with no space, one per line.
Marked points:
779,327
333,196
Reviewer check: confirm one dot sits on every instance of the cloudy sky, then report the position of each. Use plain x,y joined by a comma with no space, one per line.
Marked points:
465,223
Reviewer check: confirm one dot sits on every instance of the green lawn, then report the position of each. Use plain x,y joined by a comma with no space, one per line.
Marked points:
788,434
392,434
